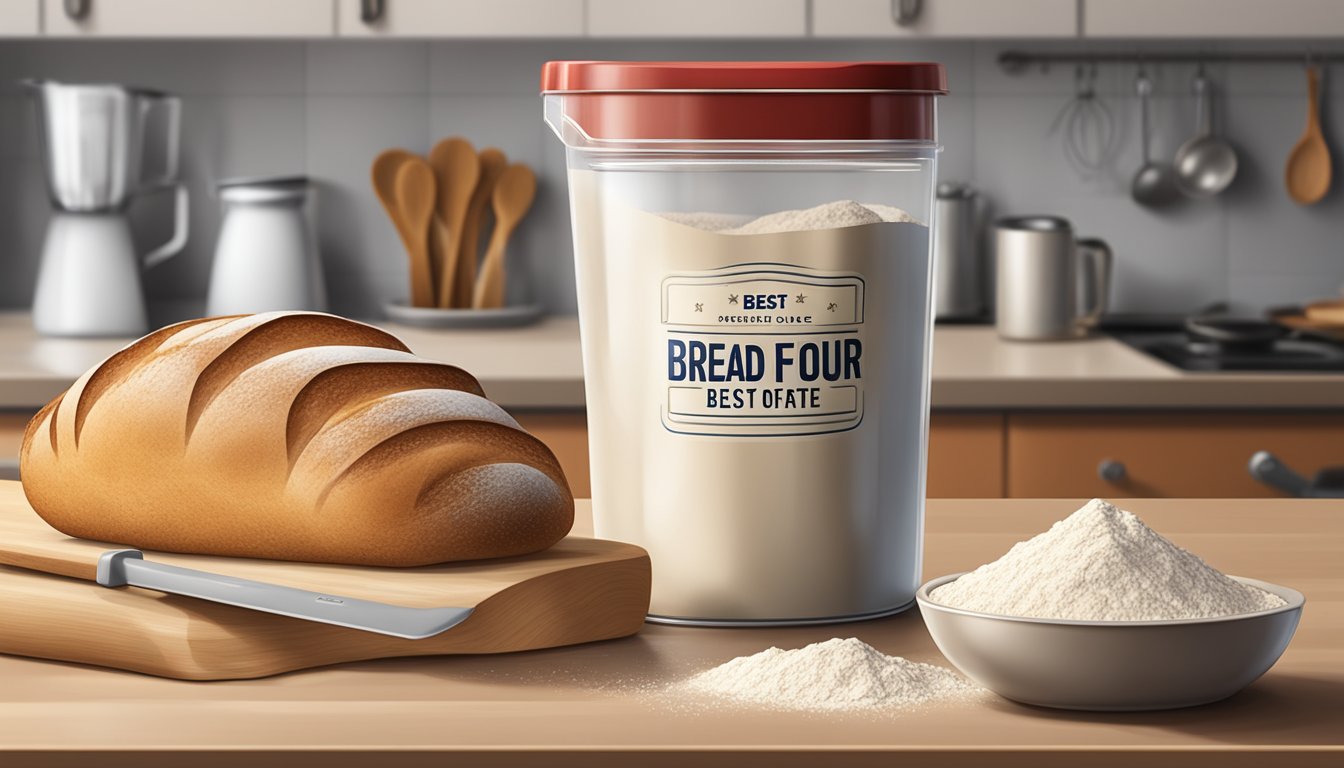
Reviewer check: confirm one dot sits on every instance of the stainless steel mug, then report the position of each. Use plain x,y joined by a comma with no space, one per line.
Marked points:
1050,284
958,282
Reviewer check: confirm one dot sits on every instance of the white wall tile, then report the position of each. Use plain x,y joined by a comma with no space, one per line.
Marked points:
23,222
326,108
367,67
182,67
1259,291
356,239
1269,231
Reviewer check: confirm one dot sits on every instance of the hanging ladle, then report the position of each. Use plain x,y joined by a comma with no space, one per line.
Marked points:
1155,182
1205,165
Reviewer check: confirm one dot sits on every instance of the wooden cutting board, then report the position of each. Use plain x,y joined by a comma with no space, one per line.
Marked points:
578,591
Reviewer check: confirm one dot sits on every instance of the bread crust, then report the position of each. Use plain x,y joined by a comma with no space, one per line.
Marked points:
291,436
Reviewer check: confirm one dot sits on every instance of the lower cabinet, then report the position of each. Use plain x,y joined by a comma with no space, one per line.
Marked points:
965,455
991,454
1159,454
965,450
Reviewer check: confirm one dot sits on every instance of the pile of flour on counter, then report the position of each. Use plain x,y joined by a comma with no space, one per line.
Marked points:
1102,564
833,676
836,215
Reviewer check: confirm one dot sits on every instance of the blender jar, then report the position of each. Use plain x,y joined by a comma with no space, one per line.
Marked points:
753,263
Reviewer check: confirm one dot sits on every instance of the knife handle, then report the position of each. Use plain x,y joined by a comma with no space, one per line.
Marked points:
128,567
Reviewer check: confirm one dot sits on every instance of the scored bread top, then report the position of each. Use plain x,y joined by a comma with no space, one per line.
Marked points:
289,435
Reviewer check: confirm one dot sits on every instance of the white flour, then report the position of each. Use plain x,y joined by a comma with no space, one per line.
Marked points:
841,213
1102,564
833,676
788,487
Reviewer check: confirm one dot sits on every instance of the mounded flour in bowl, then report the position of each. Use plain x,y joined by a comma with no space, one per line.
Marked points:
837,675
1102,564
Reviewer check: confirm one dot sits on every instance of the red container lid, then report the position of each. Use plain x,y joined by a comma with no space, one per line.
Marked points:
737,101
617,76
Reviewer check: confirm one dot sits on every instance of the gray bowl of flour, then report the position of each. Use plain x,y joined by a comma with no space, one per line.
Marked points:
1112,665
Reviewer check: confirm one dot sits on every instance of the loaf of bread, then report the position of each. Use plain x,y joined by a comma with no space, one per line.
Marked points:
291,436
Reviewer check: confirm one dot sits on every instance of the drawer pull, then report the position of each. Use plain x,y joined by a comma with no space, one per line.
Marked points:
77,10
906,12
1112,471
370,10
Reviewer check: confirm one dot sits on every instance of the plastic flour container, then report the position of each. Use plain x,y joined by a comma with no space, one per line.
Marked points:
753,260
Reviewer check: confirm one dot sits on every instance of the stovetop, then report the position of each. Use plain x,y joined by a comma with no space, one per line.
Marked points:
1295,354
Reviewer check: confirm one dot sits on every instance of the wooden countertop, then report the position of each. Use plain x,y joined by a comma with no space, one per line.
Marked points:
592,706
540,366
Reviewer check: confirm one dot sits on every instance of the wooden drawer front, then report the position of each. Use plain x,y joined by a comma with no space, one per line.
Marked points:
965,456
566,434
1164,455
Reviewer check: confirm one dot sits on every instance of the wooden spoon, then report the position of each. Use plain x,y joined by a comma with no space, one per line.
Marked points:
415,197
1308,172
456,169
513,195
384,173
493,162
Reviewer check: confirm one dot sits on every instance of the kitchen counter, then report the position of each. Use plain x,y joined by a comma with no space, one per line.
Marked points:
598,705
540,367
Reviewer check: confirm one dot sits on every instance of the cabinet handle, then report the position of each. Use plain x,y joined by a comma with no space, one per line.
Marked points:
1111,471
906,12
371,10
77,10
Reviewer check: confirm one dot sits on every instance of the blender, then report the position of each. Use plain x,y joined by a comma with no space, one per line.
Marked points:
96,138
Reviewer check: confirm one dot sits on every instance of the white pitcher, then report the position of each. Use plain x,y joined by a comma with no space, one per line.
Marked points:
265,259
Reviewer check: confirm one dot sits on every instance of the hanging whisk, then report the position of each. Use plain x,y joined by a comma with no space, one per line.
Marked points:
1088,125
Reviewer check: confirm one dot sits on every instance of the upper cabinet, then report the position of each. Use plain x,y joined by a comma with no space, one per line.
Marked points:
187,18
697,18
947,18
460,18
1212,18
18,18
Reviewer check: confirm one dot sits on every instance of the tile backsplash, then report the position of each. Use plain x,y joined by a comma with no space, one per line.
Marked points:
326,108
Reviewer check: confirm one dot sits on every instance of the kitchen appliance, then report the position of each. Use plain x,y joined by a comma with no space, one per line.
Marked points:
1050,284
265,259
1212,344
959,277
578,591
767,489
96,141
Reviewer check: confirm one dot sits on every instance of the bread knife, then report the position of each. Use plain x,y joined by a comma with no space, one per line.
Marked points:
128,567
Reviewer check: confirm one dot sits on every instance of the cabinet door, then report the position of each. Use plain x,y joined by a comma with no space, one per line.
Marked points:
18,18
947,18
464,18
1185,455
1212,18
697,18
965,455
192,18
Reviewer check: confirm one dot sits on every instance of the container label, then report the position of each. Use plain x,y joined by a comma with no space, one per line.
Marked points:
763,350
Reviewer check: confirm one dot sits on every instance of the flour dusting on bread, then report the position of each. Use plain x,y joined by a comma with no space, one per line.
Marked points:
292,436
